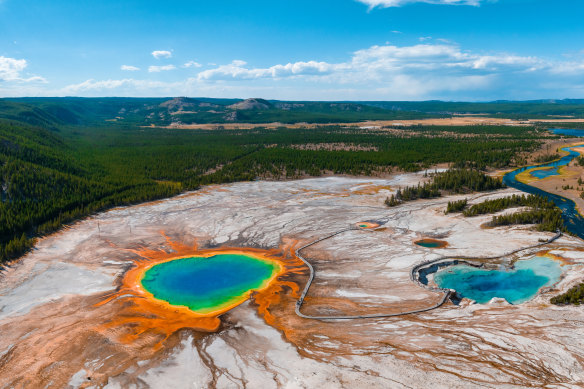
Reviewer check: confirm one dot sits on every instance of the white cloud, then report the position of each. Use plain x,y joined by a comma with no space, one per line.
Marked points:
426,70
161,54
11,69
129,68
399,3
437,70
192,64
93,84
236,70
158,69
129,85
509,61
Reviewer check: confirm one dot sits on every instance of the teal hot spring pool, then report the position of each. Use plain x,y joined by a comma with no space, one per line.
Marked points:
431,243
208,284
516,286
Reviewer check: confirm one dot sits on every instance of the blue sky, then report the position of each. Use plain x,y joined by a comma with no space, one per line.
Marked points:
297,50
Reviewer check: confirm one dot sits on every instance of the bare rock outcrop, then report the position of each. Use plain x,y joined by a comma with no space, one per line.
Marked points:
252,104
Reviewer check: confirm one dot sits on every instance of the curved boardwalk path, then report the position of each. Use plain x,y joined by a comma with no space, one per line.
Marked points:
413,276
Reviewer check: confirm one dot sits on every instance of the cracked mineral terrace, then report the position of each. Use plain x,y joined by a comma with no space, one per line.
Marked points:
70,317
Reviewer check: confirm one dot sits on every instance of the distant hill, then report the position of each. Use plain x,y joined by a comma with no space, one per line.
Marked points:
251,104
186,110
54,112
27,114
511,109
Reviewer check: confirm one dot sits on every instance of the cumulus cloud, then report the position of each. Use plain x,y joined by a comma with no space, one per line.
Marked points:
236,70
161,54
425,70
158,69
399,3
192,64
437,70
129,68
12,69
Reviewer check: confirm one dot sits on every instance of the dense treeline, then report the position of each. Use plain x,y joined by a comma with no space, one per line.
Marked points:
55,174
410,193
456,206
496,205
44,183
543,212
574,296
546,158
451,181
463,181
549,219
544,109
279,154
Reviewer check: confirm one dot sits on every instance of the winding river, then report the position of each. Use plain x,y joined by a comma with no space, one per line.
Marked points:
572,218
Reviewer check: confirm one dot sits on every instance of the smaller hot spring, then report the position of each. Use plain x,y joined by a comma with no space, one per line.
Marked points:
516,286
367,225
431,243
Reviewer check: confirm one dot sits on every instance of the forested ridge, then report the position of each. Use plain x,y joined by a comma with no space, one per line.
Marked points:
164,111
55,168
544,109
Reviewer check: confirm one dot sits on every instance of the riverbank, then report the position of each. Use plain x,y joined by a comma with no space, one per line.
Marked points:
565,183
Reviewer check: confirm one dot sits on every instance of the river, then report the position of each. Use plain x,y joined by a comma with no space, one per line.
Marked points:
572,219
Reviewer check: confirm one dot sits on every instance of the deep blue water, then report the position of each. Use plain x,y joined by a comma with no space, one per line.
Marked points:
207,284
567,131
516,286
543,173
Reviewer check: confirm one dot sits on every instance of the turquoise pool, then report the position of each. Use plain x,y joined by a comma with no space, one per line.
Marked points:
516,286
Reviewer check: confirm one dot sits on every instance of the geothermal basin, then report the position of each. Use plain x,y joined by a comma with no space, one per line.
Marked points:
78,312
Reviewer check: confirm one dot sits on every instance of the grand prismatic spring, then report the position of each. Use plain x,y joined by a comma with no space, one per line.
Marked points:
208,284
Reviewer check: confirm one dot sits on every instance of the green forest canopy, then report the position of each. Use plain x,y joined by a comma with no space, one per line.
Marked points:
53,172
